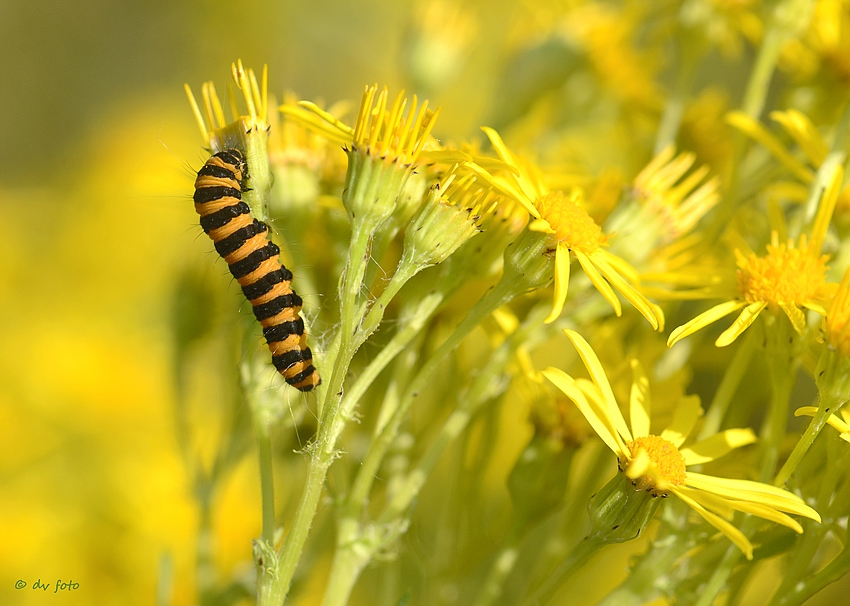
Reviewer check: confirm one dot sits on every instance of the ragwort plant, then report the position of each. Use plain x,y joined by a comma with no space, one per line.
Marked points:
464,308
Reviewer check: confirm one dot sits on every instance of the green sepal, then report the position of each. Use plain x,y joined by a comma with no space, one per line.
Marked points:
619,512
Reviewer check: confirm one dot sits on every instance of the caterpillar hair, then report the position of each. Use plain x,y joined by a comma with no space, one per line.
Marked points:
254,261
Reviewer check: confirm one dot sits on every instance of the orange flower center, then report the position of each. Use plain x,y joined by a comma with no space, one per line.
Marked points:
785,275
571,223
668,462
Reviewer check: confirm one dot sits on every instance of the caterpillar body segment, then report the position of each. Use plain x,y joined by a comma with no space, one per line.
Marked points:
254,261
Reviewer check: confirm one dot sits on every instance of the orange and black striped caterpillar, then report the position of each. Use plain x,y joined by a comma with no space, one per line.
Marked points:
254,261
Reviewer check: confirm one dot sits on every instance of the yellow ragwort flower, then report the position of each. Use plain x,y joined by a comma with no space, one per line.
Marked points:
790,277
291,144
655,224
381,131
571,228
678,203
658,463
218,133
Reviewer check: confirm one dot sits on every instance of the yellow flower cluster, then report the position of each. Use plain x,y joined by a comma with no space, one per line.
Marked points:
441,283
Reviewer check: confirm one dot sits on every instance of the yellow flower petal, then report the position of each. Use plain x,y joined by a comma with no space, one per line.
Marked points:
659,314
640,465
736,536
498,145
639,403
446,156
306,113
826,207
562,282
703,320
596,401
833,420
768,513
717,445
687,413
332,121
797,317
600,424
524,179
640,302
593,394
753,491
804,133
493,165
663,157
741,323
504,188
618,263
726,507
755,130
599,282
808,411
815,307
597,373
712,502
541,226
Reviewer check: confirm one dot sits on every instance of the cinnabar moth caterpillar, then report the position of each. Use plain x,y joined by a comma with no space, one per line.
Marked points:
254,261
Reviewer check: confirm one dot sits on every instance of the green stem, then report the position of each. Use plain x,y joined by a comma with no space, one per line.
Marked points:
165,580
502,566
674,109
351,283
732,377
349,560
773,429
577,558
495,298
803,556
782,364
264,445
481,391
618,513
646,580
765,64
812,584
752,104
404,272
352,554
721,574
411,327
276,583
826,408
831,503
279,583
334,414
733,555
